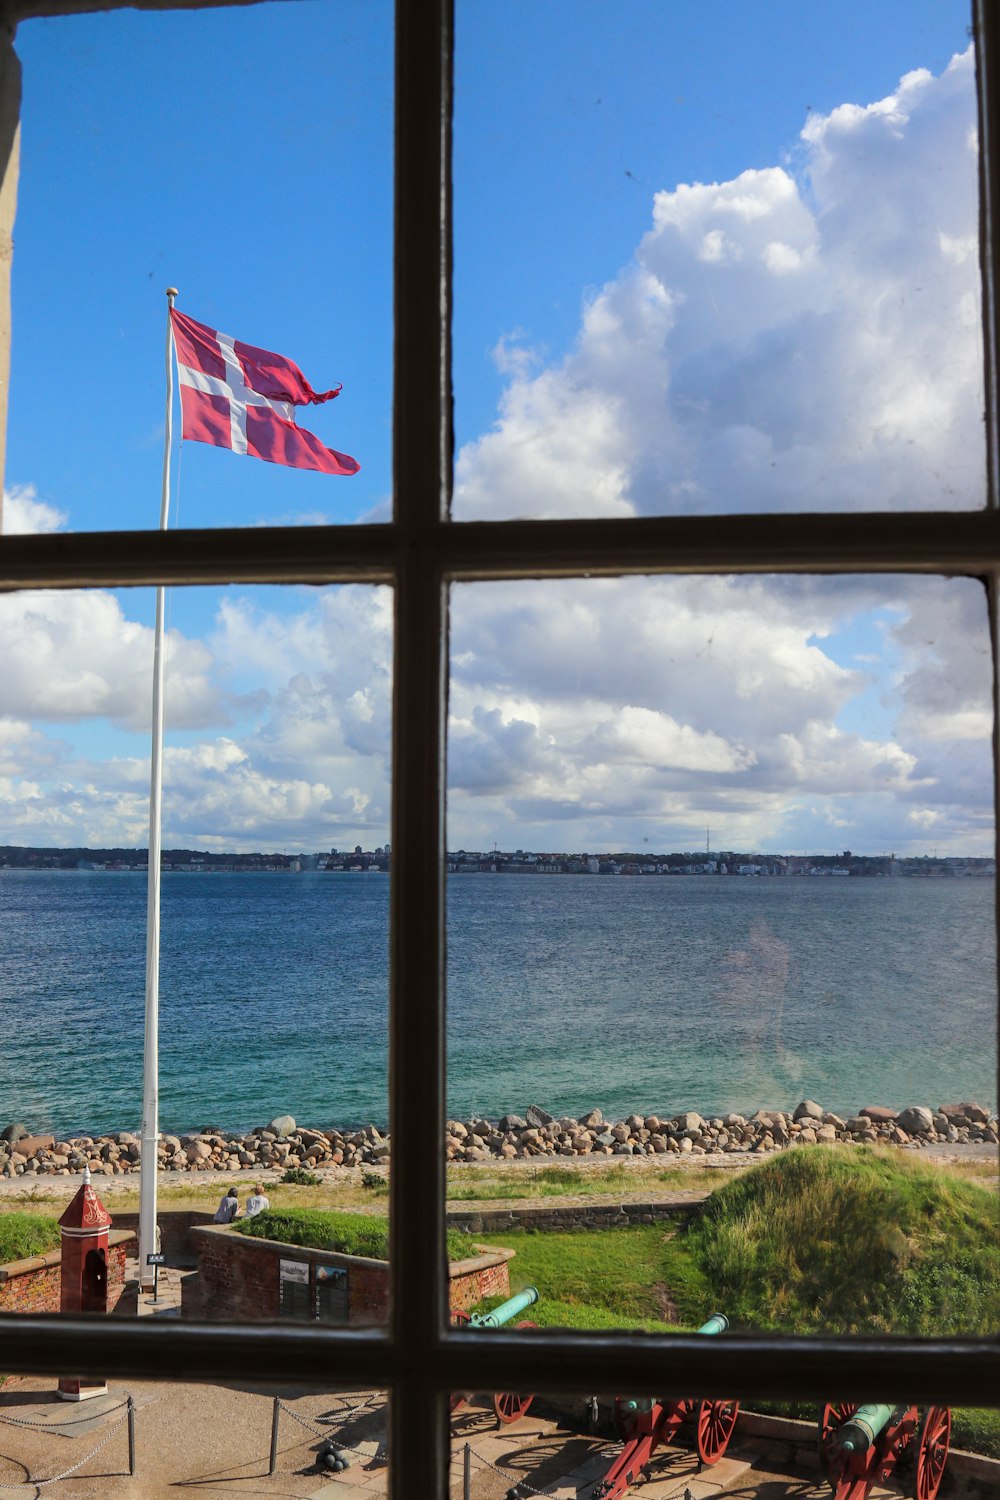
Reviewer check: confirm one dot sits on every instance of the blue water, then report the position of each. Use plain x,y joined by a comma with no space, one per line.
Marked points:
570,991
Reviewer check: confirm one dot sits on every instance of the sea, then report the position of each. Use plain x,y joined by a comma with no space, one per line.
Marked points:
655,994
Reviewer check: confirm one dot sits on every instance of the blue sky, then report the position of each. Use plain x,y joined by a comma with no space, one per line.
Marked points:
698,265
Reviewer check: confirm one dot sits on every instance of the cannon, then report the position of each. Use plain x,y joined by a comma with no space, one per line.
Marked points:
861,1445
508,1405
645,1424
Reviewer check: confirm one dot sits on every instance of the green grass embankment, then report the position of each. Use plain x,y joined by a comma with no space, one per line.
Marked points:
351,1234
23,1235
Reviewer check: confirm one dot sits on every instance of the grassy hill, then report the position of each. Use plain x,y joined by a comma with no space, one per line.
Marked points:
812,1241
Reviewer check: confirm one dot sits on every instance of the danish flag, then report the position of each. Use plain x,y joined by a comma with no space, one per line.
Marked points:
236,396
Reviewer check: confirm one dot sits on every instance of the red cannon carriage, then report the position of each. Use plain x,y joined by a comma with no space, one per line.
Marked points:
861,1445
508,1405
646,1424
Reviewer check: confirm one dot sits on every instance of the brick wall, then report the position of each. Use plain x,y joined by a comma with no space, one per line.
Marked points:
469,1281
175,1230
32,1286
237,1280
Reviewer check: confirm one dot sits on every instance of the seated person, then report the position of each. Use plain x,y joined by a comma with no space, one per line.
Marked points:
257,1201
228,1208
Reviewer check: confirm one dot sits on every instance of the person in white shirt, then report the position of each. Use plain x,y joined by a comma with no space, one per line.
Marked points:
257,1201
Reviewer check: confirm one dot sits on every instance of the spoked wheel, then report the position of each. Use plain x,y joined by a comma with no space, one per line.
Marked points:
832,1418
457,1399
932,1454
716,1420
508,1405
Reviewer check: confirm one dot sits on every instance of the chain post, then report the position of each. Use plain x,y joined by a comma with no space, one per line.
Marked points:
273,1463
131,1437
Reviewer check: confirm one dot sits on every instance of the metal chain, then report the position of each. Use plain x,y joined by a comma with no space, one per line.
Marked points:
39,1484
55,1426
484,1463
319,1432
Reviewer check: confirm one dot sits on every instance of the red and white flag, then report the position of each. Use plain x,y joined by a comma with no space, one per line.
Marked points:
236,396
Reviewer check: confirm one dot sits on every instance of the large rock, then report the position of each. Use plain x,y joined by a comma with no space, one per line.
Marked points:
878,1114
592,1120
690,1120
958,1114
29,1144
13,1133
808,1110
198,1151
915,1120
282,1125
536,1117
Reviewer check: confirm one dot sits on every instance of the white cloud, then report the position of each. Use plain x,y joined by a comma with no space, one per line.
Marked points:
780,341
24,514
75,655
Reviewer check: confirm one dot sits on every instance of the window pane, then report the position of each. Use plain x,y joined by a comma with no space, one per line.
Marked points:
215,1437
266,199
273,968
721,884
565,1445
713,260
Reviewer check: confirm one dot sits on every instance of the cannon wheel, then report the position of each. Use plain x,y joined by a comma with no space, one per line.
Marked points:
507,1404
458,1399
832,1418
716,1420
932,1454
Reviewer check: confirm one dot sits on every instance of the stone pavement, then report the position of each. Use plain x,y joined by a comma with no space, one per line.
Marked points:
168,1292
213,1442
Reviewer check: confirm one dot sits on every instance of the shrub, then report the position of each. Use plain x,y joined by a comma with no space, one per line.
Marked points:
22,1235
299,1177
322,1229
375,1182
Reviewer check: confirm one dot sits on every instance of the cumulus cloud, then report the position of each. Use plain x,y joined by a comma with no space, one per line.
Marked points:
24,514
75,655
599,713
802,337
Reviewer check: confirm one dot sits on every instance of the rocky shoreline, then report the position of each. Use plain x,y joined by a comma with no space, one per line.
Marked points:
282,1144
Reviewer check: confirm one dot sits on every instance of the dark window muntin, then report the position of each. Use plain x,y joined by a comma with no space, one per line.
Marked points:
421,554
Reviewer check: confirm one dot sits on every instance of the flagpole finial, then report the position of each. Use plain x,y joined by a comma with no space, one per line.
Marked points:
171,291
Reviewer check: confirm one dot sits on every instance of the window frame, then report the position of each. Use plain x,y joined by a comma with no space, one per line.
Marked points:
421,554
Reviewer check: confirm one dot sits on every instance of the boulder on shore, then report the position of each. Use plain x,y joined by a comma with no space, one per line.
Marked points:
282,1125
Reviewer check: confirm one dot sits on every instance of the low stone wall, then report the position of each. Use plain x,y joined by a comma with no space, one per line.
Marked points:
32,1285
570,1216
241,1278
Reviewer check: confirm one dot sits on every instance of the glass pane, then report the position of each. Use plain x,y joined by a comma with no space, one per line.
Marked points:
721,885
207,1437
266,201
273,958
607,1446
716,259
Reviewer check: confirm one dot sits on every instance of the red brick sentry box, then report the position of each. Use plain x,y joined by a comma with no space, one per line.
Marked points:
239,1279
32,1285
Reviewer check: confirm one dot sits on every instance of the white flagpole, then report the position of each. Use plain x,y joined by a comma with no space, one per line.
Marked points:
151,1063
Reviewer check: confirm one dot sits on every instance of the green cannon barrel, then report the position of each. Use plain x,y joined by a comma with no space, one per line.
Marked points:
717,1323
857,1434
506,1310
